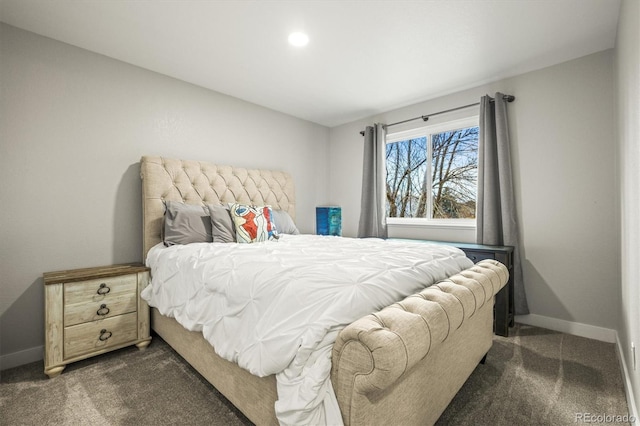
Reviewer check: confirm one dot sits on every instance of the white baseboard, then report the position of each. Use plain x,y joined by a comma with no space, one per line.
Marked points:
575,328
628,388
19,358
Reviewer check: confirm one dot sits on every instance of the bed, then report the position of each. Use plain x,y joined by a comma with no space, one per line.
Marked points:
400,364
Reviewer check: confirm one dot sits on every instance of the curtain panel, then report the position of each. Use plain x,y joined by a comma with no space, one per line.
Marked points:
496,208
373,221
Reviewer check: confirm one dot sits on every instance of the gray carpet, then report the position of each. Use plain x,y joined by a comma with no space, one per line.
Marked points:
534,377
542,377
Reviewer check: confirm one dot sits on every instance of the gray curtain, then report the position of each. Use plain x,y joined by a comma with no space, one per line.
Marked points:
372,207
496,208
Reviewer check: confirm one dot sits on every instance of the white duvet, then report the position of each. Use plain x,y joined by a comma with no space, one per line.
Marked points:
277,307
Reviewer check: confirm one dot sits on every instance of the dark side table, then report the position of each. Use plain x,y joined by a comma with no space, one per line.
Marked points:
503,308
503,314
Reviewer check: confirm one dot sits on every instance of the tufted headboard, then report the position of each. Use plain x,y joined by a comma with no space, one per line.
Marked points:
196,182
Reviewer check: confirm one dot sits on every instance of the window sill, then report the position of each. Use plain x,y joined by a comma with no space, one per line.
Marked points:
432,223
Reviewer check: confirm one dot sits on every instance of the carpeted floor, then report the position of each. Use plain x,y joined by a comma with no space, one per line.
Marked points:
534,377
542,377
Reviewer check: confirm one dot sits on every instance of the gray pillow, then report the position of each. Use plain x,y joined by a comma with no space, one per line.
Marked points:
186,223
284,223
222,228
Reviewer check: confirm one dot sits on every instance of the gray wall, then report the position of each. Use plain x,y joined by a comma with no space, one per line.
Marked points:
627,62
73,126
562,128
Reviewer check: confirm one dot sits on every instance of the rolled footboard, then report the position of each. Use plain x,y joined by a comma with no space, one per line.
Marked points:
375,357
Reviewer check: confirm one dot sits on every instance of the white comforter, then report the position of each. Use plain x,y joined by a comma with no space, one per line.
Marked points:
277,307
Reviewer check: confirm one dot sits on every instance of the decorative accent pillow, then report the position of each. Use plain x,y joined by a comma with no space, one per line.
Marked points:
222,227
186,223
284,223
252,224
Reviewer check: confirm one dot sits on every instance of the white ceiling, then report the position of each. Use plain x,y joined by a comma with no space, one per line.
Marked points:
364,57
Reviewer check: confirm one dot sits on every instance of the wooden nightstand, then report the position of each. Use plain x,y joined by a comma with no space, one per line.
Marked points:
92,311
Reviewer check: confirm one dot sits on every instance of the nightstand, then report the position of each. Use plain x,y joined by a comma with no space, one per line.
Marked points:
92,311
504,307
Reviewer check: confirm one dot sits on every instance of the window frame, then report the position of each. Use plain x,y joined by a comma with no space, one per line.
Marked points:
428,131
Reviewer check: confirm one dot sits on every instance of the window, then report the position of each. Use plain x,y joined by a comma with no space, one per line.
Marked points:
432,174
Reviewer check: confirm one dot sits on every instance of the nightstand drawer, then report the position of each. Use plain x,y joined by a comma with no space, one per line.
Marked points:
99,290
98,335
97,310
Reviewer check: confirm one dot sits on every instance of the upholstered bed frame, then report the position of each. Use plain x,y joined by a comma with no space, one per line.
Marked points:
401,365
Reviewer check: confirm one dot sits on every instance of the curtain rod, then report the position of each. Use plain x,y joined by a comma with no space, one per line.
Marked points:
508,98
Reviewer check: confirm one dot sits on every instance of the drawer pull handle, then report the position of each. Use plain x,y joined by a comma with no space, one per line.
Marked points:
103,310
104,334
103,289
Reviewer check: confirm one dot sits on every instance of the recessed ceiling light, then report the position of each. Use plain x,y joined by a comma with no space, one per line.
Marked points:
298,39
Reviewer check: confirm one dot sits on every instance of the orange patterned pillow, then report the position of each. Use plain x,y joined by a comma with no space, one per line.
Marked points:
253,224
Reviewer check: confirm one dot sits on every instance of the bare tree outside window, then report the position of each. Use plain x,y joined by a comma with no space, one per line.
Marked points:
406,173
443,186
454,169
